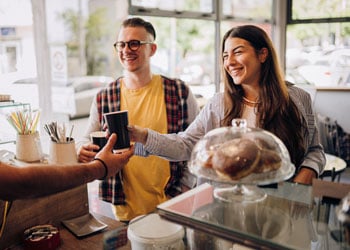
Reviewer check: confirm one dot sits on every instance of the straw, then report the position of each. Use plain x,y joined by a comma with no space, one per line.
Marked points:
24,121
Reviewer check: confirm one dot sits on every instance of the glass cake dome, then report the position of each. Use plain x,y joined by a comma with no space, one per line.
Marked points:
241,157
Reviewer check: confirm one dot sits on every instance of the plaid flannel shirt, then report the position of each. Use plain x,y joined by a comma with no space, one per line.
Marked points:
175,92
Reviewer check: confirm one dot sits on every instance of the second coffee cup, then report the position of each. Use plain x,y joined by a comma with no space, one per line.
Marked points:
98,138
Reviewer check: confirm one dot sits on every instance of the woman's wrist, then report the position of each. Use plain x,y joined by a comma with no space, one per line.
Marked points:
144,136
305,176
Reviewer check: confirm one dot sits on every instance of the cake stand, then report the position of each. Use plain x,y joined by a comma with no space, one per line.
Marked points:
247,188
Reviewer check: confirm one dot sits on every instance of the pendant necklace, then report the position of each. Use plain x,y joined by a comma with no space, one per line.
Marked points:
250,102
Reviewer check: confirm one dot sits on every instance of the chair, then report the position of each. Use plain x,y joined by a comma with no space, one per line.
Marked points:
329,138
328,134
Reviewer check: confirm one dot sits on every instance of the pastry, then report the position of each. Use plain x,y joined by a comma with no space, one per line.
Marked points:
236,158
269,161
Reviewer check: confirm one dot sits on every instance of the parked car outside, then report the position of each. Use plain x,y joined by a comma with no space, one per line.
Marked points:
331,69
85,88
73,98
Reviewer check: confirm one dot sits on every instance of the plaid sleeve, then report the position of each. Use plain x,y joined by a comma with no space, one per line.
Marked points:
111,190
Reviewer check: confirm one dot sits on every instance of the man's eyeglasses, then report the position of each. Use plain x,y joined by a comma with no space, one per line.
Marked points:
132,44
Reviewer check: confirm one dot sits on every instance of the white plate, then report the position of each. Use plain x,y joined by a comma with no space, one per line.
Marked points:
84,225
333,161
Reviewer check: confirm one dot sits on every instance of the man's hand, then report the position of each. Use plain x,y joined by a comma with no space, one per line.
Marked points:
114,162
86,152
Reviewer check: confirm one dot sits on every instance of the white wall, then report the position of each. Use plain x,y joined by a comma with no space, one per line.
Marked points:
334,103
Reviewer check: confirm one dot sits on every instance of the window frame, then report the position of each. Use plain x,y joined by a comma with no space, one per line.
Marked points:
217,17
290,19
327,20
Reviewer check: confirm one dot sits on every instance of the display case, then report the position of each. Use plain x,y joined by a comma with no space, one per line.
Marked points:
245,196
288,218
7,132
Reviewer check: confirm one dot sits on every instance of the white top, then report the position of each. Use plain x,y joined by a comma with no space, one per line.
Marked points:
250,116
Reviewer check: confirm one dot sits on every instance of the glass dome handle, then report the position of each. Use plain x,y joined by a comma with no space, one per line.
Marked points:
240,124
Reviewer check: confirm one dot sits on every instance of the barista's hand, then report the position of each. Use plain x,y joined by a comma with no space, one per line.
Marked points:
114,162
138,134
86,152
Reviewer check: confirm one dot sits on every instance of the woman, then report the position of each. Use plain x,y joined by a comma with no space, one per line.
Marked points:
254,89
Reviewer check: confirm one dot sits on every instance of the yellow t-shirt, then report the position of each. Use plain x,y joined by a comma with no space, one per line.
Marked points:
144,178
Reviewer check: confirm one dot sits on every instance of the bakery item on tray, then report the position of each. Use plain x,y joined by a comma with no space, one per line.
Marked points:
236,158
240,157
269,161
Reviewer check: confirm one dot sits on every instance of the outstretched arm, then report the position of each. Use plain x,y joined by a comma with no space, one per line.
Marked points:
40,180
138,134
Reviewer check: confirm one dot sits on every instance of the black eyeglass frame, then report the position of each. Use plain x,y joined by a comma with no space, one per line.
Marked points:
138,44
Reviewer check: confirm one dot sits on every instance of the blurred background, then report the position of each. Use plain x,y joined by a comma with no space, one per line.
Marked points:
56,55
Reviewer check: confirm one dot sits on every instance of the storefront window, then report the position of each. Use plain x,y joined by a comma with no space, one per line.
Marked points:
315,9
253,9
189,35
175,5
318,43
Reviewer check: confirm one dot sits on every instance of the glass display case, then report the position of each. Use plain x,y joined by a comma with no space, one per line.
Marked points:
246,197
288,218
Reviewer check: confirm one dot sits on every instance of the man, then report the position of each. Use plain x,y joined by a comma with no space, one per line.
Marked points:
40,180
154,101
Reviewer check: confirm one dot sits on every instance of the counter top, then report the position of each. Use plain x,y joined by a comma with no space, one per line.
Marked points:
53,209
290,217
95,241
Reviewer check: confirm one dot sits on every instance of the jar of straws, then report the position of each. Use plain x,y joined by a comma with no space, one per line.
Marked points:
28,146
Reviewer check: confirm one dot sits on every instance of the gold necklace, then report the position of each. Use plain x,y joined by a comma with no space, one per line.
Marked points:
249,101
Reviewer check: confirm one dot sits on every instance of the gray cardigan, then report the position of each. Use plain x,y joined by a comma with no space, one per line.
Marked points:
178,147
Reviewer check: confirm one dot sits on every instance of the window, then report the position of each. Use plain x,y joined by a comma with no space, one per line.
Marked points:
253,9
318,43
174,5
317,10
189,35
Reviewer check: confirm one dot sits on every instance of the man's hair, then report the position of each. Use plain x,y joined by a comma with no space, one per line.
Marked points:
139,22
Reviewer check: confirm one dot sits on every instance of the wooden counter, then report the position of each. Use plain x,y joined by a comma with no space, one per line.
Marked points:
69,241
95,241
52,210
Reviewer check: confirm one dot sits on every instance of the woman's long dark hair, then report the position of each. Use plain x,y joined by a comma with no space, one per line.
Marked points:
276,111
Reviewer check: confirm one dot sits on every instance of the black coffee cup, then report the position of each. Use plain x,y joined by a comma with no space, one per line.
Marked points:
98,138
117,122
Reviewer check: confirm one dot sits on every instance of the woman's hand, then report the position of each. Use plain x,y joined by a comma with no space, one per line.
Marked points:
305,176
138,134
